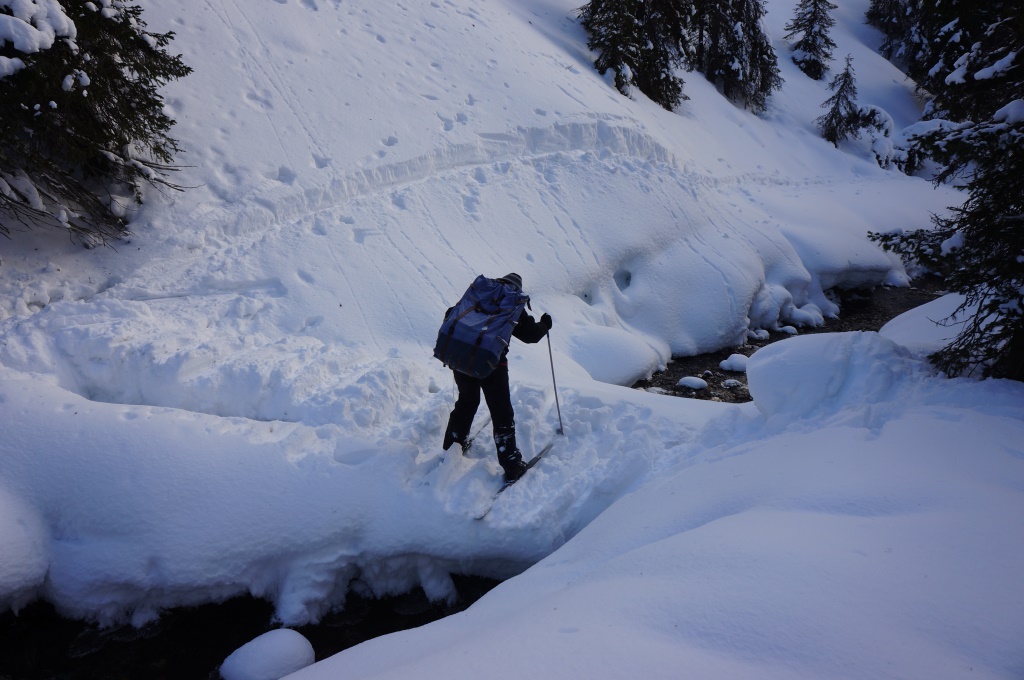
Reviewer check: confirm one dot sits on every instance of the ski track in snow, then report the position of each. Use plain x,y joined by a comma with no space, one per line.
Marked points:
270,208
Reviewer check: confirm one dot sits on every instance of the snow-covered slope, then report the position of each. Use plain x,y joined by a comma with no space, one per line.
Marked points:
242,399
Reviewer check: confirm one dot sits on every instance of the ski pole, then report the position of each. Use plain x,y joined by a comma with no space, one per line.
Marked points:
555,385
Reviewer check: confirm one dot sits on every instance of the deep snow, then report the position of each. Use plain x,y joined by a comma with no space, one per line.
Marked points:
242,398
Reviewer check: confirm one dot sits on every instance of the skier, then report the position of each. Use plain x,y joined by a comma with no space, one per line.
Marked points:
495,388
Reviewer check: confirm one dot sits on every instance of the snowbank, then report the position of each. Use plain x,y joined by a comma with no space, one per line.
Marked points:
816,373
928,328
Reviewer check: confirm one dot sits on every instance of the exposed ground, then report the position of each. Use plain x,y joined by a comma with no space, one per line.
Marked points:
861,310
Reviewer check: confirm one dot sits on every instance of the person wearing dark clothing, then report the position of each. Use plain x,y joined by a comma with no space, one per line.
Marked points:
495,388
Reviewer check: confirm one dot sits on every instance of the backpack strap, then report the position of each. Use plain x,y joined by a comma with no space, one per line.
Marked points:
476,346
451,328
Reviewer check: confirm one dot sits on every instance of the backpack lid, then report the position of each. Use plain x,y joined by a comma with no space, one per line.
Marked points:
514,279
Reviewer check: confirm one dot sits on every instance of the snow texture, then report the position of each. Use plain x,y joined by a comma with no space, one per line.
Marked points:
242,400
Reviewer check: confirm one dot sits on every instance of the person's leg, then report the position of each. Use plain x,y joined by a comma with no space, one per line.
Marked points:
461,419
499,402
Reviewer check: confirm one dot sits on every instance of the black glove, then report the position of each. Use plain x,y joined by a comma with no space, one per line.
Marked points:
545,320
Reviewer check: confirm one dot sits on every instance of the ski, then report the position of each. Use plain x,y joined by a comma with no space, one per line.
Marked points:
529,464
473,437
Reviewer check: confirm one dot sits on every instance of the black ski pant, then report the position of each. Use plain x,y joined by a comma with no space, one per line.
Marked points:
495,388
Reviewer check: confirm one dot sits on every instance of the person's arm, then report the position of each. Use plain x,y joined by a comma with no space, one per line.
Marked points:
529,329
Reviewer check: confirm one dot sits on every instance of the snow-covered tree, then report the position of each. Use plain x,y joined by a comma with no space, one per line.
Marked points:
642,42
813,50
714,39
888,16
843,117
986,70
733,51
615,34
645,42
980,249
81,119
933,40
761,75
894,19
666,24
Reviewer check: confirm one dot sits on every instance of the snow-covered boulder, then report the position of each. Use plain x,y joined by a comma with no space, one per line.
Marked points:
271,656
736,363
693,382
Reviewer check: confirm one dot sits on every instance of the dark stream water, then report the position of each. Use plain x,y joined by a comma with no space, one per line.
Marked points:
190,644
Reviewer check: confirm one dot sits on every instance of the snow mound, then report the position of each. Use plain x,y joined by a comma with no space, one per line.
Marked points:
271,656
693,382
802,375
922,330
736,363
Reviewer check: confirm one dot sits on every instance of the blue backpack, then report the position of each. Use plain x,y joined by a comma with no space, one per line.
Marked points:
477,330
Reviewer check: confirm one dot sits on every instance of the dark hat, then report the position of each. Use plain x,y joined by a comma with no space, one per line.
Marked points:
513,278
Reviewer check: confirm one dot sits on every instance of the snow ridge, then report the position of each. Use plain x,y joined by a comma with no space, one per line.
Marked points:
603,135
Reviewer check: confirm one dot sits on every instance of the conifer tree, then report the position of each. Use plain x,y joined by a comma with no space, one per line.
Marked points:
888,16
931,40
732,50
942,31
843,117
980,66
81,119
760,66
615,34
642,42
665,24
980,250
715,39
812,22
645,42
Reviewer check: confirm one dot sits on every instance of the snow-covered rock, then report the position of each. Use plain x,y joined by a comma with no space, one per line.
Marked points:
270,656
736,363
693,382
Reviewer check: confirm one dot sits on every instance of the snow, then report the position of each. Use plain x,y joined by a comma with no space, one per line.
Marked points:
1011,114
997,68
693,382
242,398
32,26
868,548
925,329
799,378
270,656
735,362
